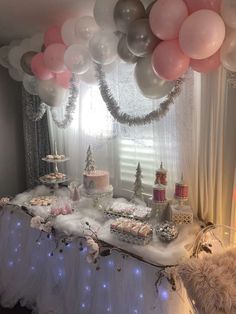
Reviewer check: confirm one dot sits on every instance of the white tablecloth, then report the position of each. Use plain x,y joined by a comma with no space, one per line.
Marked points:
66,284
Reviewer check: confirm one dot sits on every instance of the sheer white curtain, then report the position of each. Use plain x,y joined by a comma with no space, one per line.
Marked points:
118,148
217,149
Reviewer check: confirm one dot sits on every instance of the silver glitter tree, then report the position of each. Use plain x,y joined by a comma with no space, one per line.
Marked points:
138,186
90,163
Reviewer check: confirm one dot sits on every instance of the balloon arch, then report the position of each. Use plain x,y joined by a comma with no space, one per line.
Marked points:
162,41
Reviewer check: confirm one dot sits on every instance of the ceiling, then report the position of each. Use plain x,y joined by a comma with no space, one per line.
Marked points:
23,18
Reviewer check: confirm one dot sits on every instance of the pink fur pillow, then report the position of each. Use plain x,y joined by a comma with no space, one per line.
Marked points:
211,282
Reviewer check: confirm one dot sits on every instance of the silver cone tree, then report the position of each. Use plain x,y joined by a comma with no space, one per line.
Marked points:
90,163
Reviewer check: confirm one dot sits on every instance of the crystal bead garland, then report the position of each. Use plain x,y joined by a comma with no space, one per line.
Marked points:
125,118
70,107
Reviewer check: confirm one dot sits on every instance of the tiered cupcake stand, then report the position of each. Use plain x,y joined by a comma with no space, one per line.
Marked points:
54,183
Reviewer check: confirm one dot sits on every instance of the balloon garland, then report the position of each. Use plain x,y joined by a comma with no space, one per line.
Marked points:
125,118
162,39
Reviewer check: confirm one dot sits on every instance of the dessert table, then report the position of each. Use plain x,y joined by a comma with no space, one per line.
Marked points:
52,276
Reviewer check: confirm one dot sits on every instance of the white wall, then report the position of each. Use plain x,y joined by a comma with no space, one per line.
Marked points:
12,171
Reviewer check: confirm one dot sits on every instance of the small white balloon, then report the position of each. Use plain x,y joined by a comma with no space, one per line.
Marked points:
36,42
4,51
103,14
52,94
68,32
15,74
30,84
15,55
77,59
85,28
103,47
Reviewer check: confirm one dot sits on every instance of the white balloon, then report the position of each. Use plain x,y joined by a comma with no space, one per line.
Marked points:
15,55
103,47
36,42
85,28
30,84
68,32
25,43
103,14
89,77
77,59
112,66
15,42
4,51
52,94
15,74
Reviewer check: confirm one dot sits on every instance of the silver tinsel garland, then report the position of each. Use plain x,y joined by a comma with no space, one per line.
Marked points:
29,107
70,107
125,118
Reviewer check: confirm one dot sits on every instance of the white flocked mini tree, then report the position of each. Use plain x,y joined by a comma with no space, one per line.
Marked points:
138,186
90,163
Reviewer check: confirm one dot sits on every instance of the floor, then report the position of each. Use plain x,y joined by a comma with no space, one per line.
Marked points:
16,310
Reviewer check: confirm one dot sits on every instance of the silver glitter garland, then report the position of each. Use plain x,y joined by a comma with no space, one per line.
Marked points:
70,107
125,118
29,107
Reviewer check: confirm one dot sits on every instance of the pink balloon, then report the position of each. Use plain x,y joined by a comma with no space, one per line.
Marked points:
195,5
63,79
54,57
168,60
39,69
206,65
53,36
202,34
166,18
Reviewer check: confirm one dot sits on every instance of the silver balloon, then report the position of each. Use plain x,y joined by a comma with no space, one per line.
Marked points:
127,11
228,52
103,47
149,7
140,39
148,82
25,62
228,12
51,93
124,52
30,84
